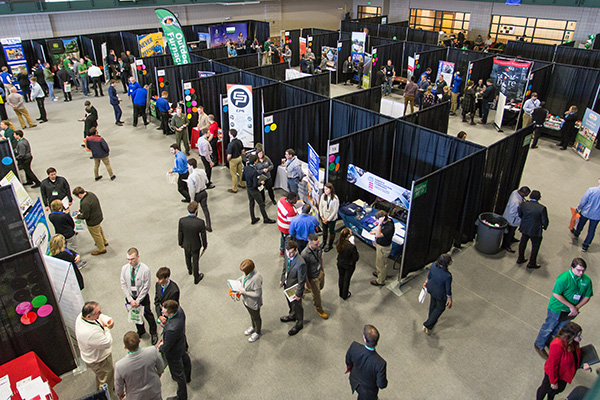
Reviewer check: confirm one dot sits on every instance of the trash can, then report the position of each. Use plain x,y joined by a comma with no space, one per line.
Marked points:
490,230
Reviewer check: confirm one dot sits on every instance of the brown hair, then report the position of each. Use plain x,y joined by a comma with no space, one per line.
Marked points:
331,189
78,190
56,205
247,266
171,306
131,340
344,235
163,272
56,244
567,335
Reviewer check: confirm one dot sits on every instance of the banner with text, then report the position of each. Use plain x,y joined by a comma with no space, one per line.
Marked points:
151,44
446,70
357,52
241,113
586,136
510,77
378,186
313,177
174,35
15,56
37,226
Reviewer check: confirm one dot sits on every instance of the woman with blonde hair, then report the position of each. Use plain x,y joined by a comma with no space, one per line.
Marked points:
58,250
428,97
7,129
346,261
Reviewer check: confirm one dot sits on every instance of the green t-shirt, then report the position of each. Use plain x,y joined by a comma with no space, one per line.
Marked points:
571,287
82,70
66,63
89,63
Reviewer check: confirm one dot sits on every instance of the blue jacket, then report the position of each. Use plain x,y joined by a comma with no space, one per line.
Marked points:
181,165
439,283
456,84
162,104
112,95
589,205
132,88
97,146
140,96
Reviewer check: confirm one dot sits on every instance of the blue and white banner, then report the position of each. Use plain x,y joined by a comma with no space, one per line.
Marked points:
241,112
313,176
590,124
15,56
357,52
37,226
378,186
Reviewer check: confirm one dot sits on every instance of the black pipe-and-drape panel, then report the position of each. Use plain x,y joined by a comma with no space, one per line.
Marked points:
461,59
343,54
294,37
567,44
259,29
241,62
376,41
213,53
369,99
393,32
271,71
86,47
438,211
535,51
320,40
539,82
421,36
363,149
410,49
220,68
481,69
279,96
370,20
431,59
394,52
347,118
580,57
315,83
571,85
434,118
295,127
130,43
113,42
173,76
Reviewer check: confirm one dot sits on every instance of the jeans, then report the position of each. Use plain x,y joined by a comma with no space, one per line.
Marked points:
591,230
387,86
293,184
118,112
285,237
551,326
50,90
85,84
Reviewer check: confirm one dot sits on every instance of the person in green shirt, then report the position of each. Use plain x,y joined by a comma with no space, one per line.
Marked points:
572,290
83,76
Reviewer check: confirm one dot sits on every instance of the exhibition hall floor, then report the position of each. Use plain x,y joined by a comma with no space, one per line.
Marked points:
481,349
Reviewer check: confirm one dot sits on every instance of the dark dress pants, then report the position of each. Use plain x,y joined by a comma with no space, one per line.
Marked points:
208,169
485,110
40,104
255,196
182,186
201,198
213,144
137,111
546,389
508,236
181,372
366,393
192,261
436,308
3,114
536,241
97,86
164,122
296,312
345,273
141,329
118,112
25,165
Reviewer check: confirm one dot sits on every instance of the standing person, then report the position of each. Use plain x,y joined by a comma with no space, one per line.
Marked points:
135,284
192,237
264,166
82,69
23,79
197,184
38,95
165,289
114,102
468,103
302,226
203,122
64,80
100,152
428,98
534,220
384,233
90,119
567,130
310,60
367,368
214,134
380,78
348,70
15,100
49,79
7,129
174,347
92,330
287,56
6,78
530,104
251,293
294,273
132,87
96,76
303,64
423,85
57,249
538,116
251,177
410,92
206,155
329,205
137,375
123,73
162,109
572,290
487,97
63,224
589,210
346,262
91,212
285,213
293,170
563,362
24,158
479,89
455,92
179,124
439,287
3,114
315,274
112,63
139,105
235,149
390,75
511,215
182,170
440,84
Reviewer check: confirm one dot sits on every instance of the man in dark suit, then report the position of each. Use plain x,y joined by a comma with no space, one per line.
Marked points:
192,237
294,272
568,132
534,219
174,347
166,289
367,368
114,101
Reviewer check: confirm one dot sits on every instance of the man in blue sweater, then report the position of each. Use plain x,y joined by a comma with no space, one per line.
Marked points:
180,168
455,92
302,226
114,101
139,105
162,111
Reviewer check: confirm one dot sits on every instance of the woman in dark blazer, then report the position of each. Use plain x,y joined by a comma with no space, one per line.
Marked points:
568,132
439,286
564,359
346,261
58,250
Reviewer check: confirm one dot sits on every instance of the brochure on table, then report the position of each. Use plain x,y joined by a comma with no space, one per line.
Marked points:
380,187
586,136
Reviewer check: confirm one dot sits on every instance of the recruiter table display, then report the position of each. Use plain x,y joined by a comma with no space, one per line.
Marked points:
27,375
281,177
552,125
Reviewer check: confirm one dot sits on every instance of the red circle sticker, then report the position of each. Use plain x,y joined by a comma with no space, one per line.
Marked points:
29,318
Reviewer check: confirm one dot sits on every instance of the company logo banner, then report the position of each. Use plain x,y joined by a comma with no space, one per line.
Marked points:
174,35
241,112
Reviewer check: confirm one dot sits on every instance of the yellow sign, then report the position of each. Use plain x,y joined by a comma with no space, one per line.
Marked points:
151,44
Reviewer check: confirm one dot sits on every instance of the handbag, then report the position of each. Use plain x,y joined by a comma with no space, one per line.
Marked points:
422,295
574,218
136,314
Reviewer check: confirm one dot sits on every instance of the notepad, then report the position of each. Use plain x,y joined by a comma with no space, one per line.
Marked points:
589,355
235,285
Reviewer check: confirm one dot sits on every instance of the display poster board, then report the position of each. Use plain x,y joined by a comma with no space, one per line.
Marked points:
7,159
587,134
331,55
235,32
313,177
37,227
25,202
302,46
367,68
105,68
14,54
204,74
204,37
500,110
151,44
446,70
410,68
510,78
380,187
61,48
358,48
241,113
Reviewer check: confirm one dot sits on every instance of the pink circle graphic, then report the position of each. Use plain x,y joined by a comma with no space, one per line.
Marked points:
44,311
194,103
331,157
24,308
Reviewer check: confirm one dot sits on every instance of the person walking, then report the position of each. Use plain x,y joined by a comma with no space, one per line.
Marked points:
286,211
24,159
64,79
91,211
100,152
96,76
589,210
410,93
15,100
182,170
197,184
174,347
206,155
346,262
293,274
329,205
538,116
511,215
534,220
439,287
253,185
38,95
384,233
114,102
179,124
192,237
368,370
251,294
235,148
315,274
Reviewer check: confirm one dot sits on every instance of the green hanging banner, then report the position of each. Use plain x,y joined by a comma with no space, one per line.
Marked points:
174,35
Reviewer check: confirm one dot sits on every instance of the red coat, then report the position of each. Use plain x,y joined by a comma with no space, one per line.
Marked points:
561,363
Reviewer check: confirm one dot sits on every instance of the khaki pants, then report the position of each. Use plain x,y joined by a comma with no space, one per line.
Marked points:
22,112
98,236
381,260
106,162
236,169
526,120
453,102
105,373
409,100
316,285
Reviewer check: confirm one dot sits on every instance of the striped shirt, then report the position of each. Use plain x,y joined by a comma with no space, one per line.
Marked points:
285,213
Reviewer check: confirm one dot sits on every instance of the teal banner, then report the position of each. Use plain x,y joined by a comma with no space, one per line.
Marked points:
174,35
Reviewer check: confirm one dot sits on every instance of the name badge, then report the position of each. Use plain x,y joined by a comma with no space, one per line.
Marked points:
576,297
54,193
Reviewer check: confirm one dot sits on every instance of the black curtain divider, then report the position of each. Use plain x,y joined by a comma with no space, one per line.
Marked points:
431,59
422,36
343,54
461,59
571,85
369,99
130,43
280,96
319,84
350,118
297,126
350,26
315,31
394,52
370,20
39,51
410,49
579,57
29,53
260,30
151,63
535,51
222,68
86,47
271,71
254,80
13,231
540,81
393,32
213,53
567,44
434,118
294,46
402,24
376,41
175,74
322,39
345,36
241,62
481,69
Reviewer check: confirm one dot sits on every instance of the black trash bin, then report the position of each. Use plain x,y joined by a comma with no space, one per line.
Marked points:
490,230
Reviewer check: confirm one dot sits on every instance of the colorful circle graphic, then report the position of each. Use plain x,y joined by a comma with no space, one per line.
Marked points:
28,318
267,129
39,301
24,308
44,311
273,127
7,160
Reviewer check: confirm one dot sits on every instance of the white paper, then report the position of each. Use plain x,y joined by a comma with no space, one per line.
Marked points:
367,235
234,285
172,177
291,292
398,240
28,388
5,390
422,295
65,202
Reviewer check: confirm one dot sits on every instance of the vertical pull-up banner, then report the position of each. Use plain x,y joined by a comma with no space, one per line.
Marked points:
174,35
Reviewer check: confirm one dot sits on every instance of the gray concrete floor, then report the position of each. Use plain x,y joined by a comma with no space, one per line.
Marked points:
481,349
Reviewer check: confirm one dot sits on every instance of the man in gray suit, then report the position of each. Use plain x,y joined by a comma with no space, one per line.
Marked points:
294,272
137,375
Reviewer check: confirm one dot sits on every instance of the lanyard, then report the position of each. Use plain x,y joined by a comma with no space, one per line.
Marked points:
134,274
318,258
246,278
95,322
369,348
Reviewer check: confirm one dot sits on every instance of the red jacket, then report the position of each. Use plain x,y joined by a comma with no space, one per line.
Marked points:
561,363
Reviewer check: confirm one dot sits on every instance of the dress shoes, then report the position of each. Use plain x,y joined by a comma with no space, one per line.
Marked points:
97,253
98,178
576,236
185,201
375,274
347,297
210,186
508,249
542,352
198,278
35,186
287,318
112,178
521,261
375,283
232,191
255,220
154,339
269,221
294,330
536,266
323,315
